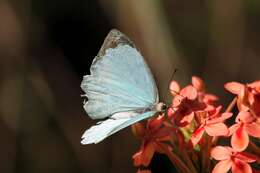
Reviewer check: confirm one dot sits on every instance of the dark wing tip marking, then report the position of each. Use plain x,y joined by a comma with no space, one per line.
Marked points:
113,39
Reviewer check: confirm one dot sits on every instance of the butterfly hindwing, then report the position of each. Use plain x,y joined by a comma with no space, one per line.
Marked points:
110,126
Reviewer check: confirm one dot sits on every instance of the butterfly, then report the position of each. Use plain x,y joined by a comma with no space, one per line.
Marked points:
120,88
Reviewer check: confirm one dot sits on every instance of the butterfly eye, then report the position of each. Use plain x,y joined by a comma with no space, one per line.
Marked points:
164,107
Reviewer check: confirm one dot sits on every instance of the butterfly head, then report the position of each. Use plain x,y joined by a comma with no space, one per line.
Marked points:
160,107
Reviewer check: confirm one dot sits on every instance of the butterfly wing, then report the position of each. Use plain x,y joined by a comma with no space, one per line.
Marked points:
110,126
120,80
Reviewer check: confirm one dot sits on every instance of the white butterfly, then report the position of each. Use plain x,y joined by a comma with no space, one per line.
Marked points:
120,88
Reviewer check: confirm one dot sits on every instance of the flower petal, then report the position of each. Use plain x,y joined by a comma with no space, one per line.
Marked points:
210,98
221,118
183,116
218,129
137,157
233,128
190,92
241,105
138,130
253,129
155,123
144,156
255,85
187,118
240,139
220,153
143,171
170,112
174,88
246,157
198,83
214,111
222,166
245,117
241,167
233,87
177,100
148,154
197,134
256,105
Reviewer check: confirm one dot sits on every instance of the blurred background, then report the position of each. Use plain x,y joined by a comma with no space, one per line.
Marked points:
46,46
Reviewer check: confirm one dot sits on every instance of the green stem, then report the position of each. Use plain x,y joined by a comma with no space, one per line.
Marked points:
188,160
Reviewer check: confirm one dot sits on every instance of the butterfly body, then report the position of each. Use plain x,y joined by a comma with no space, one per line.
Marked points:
120,88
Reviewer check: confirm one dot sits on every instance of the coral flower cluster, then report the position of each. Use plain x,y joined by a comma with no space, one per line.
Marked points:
191,129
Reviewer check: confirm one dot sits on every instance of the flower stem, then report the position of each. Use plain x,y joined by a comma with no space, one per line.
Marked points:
188,160
206,154
175,159
231,105
254,148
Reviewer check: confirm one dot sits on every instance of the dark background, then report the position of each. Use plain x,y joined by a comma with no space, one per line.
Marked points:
46,46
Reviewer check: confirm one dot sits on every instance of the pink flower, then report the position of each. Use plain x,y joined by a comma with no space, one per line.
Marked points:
229,158
211,123
248,96
190,100
184,104
254,88
207,98
187,93
174,88
152,135
246,124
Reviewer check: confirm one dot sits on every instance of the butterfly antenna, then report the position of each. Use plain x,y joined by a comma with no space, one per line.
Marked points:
167,87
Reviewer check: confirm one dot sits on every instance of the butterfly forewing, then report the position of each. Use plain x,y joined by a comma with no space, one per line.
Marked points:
120,81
